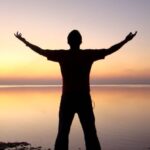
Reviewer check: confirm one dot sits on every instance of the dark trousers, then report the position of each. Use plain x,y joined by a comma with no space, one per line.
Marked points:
81,104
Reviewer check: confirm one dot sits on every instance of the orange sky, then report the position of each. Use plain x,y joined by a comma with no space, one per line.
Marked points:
47,24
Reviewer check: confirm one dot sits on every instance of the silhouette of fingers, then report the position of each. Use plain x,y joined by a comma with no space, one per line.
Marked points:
130,36
18,34
135,33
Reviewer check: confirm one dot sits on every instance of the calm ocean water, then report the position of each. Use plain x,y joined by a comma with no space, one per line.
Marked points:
30,113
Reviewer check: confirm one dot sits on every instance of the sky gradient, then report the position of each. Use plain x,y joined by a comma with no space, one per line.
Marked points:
47,23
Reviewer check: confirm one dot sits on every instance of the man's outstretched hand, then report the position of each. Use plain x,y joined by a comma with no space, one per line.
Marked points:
130,36
19,36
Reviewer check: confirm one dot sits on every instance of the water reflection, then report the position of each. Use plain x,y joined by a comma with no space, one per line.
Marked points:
29,114
122,116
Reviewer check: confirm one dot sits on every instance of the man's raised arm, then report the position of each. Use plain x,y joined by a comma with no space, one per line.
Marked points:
116,47
33,47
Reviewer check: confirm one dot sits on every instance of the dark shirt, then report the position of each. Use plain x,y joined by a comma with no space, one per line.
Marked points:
75,67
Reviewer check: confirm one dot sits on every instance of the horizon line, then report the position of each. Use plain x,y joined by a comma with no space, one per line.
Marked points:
60,85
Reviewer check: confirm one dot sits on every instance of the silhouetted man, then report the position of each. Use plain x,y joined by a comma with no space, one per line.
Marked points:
75,68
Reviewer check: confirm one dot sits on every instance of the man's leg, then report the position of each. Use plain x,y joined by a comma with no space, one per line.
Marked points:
87,120
66,115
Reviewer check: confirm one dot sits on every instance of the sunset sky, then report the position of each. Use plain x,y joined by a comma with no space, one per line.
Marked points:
47,23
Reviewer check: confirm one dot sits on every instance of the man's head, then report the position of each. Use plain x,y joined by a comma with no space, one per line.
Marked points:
74,38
